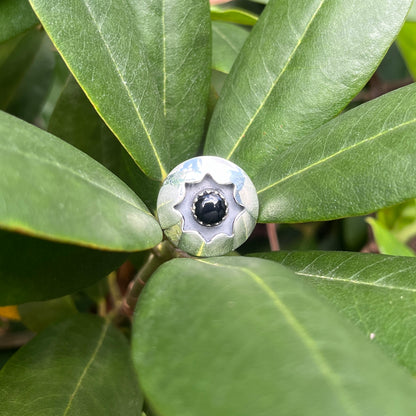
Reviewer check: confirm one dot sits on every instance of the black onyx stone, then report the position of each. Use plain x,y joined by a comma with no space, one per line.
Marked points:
210,208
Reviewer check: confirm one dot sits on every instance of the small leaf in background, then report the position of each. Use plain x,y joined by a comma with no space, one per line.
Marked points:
400,219
32,269
239,336
99,291
357,163
37,316
302,63
16,16
238,16
376,292
75,120
407,45
10,312
100,42
54,191
391,74
60,75
81,366
16,59
227,41
29,98
387,242
176,38
411,17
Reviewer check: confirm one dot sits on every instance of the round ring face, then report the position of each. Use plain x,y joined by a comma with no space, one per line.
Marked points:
207,206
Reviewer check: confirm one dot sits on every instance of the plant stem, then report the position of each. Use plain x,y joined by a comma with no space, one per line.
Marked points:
272,235
159,255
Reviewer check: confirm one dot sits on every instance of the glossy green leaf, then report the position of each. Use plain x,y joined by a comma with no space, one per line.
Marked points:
176,36
400,219
16,16
39,315
75,121
60,76
32,269
407,44
238,336
34,87
17,57
357,163
227,41
302,63
376,292
81,366
51,190
101,44
387,242
411,17
238,16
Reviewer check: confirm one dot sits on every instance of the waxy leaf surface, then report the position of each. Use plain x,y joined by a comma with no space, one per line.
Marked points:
176,37
376,292
32,269
100,42
302,63
227,41
75,121
387,242
51,190
16,16
81,366
357,163
238,336
407,45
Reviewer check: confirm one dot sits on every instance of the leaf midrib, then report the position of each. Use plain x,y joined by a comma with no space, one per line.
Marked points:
87,367
357,282
124,84
320,361
333,155
289,59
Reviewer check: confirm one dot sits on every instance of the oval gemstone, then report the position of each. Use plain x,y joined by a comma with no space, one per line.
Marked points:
210,208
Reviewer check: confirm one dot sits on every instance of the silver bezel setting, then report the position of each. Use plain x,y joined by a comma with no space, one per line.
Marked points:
175,206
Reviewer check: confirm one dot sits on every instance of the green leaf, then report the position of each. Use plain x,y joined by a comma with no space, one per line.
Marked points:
376,292
81,366
16,58
357,163
407,45
400,219
51,190
16,16
411,17
302,63
387,242
60,76
239,16
176,37
39,315
33,89
75,120
239,336
32,269
227,41
100,42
